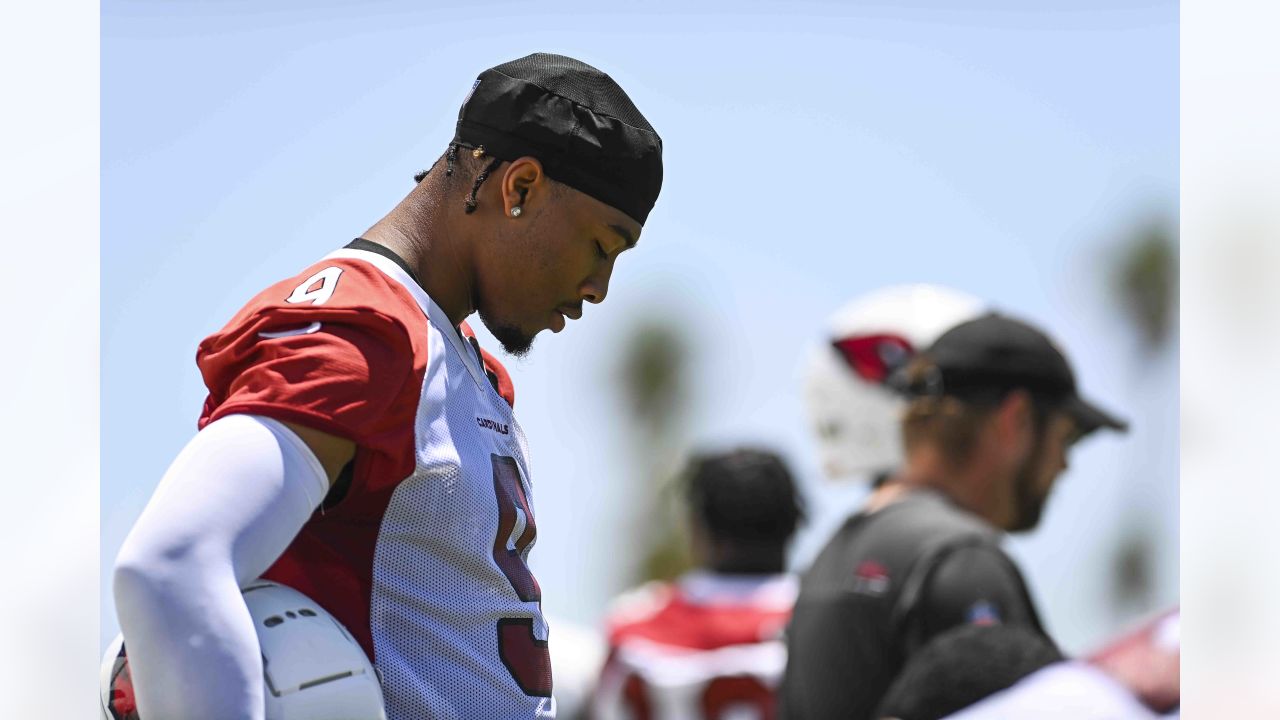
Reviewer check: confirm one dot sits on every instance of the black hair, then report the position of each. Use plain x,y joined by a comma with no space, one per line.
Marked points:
450,155
451,158
747,497
962,666
484,175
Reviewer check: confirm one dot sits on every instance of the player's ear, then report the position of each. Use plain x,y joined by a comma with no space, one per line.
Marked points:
1014,416
524,182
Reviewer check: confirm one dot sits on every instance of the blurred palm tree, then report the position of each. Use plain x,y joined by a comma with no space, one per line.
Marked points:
1145,288
654,373
1146,284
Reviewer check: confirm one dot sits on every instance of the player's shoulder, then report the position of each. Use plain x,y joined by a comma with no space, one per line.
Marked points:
343,311
342,290
770,593
343,280
639,604
923,522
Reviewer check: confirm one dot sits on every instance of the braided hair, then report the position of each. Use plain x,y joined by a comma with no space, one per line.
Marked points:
451,160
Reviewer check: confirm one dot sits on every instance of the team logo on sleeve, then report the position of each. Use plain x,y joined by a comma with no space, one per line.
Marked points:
983,613
871,578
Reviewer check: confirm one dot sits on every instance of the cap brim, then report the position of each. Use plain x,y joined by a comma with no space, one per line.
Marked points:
1090,417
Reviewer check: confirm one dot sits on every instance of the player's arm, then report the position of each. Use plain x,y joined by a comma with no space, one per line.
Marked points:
973,584
332,451
228,506
294,388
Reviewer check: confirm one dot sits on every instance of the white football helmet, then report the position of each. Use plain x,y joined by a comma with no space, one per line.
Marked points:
313,668
855,417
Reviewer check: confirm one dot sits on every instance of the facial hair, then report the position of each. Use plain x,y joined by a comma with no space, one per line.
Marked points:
1028,503
514,341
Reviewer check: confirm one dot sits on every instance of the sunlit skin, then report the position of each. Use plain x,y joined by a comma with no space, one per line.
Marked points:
1008,477
522,274
533,272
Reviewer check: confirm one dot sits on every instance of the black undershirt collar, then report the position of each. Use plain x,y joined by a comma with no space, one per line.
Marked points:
373,247
384,251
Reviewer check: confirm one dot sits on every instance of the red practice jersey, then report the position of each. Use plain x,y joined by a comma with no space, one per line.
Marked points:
707,647
1148,661
424,555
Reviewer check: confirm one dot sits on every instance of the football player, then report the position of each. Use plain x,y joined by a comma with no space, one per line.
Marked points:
709,645
1003,672
965,665
358,445
1148,661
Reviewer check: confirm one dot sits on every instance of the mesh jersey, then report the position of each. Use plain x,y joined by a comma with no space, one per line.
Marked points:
706,647
424,556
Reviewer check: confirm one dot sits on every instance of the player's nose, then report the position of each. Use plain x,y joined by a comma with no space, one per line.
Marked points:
596,286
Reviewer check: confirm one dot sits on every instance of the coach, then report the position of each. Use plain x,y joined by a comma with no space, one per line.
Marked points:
993,410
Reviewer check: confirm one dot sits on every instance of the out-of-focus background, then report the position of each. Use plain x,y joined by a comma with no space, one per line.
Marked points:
49,139
1024,153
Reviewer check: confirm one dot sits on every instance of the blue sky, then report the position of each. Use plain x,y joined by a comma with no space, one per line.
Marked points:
814,151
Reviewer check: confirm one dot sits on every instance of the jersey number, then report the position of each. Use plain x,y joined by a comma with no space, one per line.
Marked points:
318,288
737,691
723,697
526,657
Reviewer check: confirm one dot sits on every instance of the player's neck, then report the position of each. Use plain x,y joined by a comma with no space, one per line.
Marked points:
418,231
965,486
771,565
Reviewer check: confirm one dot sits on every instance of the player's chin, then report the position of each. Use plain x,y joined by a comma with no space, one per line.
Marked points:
516,342
514,339
1029,514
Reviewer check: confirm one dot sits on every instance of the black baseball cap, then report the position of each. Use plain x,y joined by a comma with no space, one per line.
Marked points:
575,120
997,352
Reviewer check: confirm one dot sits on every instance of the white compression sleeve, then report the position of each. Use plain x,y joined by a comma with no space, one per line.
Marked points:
228,506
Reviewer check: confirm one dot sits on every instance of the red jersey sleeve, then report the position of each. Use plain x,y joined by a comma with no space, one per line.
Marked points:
340,348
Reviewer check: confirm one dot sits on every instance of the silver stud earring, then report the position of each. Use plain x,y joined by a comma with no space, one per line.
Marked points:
515,211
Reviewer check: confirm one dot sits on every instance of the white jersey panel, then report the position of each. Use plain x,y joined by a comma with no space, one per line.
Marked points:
455,614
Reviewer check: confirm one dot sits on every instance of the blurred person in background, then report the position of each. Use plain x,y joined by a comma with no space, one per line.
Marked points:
1135,678
962,666
709,645
1147,661
1003,672
993,411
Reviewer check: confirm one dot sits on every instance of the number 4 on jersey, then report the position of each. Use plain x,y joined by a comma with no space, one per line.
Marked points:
318,288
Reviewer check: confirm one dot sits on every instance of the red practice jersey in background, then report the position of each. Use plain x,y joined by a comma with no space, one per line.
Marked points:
706,647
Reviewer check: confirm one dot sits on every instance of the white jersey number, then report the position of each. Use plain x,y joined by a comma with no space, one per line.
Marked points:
318,288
